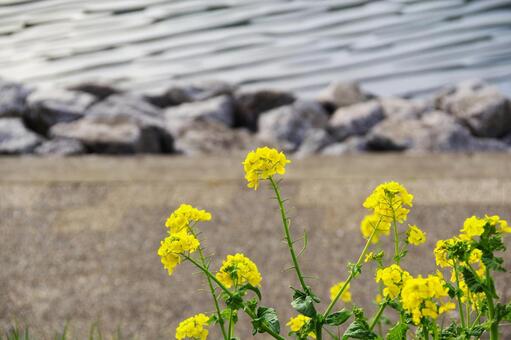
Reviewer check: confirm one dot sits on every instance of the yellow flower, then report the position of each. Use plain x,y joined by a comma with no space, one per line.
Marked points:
237,270
345,296
296,323
193,328
421,297
371,222
388,201
473,226
173,246
185,214
495,220
441,253
393,277
263,163
415,235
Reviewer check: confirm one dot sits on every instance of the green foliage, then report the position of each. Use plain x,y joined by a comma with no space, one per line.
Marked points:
303,304
398,332
265,316
338,318
359,329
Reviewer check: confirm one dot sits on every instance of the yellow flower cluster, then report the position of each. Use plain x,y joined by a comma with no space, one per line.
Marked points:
183,216
421,297
415,235
388,201
296,323
393,277
173,246
263,163
495,221
180,239
345,296
193,328
372,222
441,252
237,270
472,227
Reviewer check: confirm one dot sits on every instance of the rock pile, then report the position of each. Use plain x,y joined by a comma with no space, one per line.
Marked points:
215,118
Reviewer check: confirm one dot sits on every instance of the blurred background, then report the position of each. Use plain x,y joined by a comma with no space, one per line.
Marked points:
114,112
393,47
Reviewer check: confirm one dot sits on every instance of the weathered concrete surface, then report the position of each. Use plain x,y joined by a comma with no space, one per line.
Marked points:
79,235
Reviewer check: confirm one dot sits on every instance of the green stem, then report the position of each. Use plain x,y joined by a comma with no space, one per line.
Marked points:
396,242
230,325
352,274
285,223
230,294
494,327
378,315
212,290
458,295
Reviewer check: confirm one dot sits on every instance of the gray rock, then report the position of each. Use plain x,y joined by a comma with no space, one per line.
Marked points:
210,137
217,109
351,145
97,88
60,147
314,141
339,94
116,134
287,126
178,94
13,99
250,105
15,138
355,120
51,106
126,104
395,107
482,108
436,131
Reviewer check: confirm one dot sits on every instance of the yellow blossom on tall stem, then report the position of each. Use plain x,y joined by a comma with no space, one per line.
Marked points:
296,323
184,215
194,328
393,277
473,226
237,270
388,201
263,163
173,246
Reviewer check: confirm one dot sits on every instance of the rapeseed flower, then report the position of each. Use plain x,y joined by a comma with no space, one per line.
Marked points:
388,201
173,246
393,278
183,216
421,297
442,254
495,221
472,227
237,270
263,163
415,235
193,328
372,222
345,296
296,323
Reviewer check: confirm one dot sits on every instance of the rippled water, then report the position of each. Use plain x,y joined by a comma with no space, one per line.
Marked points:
391,46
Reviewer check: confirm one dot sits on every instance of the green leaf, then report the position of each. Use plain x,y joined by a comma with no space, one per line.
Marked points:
338,318
304,304
234,302
248,286
472,280
398,332
359,329
266,316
